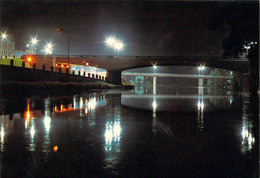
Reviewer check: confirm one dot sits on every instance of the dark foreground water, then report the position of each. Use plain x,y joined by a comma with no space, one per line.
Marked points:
167,132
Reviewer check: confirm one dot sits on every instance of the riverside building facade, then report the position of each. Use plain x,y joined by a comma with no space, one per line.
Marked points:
7,47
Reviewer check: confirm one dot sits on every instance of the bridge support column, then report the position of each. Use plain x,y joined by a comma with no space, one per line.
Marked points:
114,76
154,85
200,88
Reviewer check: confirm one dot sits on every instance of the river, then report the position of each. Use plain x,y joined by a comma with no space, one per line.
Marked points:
159,131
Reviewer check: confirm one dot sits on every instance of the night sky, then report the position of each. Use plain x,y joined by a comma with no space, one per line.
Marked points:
146,28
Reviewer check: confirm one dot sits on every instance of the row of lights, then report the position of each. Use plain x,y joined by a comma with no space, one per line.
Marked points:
48,48
200,68
111,42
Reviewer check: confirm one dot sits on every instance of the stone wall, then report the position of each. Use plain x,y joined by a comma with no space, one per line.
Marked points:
20,74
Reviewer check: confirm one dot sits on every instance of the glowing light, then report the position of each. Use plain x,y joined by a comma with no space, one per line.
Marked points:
87,64
48,48
230,101
34,41
201,67
154,67
117,130
92,103
247,138
244,133
112,134
29,59
28,113
114,43
55,148
2,134
86,110
49,45
47,123
154,105
118,46
110,41
4,35
32,131
81,103
200,105
108,133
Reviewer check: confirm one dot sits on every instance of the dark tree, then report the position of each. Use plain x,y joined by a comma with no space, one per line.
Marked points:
243,20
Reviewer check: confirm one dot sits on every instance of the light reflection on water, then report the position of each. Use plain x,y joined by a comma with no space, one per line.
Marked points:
248,138
106,123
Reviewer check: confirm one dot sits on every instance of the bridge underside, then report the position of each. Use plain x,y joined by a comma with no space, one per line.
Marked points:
115,66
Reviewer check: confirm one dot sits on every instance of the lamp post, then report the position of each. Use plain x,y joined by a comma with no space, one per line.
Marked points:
4,37
34,42
58,29
118,46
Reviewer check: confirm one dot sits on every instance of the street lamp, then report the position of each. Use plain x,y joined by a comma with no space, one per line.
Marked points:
4,36
68,35
118,46
48,48
34,42
110,41
115,44
201,68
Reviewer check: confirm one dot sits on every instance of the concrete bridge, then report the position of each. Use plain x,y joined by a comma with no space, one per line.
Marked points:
176,75
115,65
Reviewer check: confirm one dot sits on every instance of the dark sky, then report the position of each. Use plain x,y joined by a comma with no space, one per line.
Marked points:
146,28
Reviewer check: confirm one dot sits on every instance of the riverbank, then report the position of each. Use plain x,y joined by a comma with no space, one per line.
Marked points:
54,88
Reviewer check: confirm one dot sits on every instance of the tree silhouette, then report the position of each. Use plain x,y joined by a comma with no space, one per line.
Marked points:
243,21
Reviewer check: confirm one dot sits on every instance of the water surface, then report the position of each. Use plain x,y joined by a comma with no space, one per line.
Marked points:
173,131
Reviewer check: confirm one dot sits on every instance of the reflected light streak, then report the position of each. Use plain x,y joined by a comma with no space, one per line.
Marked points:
230,101
92,103
55,148
86,110
2,134
200,105
247,139
112,135
47,123
81,103
154,105
32,131
27,114
200,119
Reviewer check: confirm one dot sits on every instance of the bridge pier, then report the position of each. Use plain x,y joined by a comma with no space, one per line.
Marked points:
200,86
114,76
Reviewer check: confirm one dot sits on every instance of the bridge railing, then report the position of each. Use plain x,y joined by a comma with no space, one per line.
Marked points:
204,58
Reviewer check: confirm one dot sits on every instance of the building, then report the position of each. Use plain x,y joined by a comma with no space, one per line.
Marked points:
7,47
19,53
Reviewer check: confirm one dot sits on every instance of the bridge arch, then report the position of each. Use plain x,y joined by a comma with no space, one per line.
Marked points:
115,65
